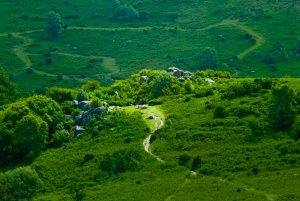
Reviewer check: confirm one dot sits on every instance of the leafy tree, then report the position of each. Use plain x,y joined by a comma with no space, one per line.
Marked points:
60,94
91,85
21,182
82,95
281,112
126,12
30,135
14,114
60,137
188,86
5,146
144,15
161,83
95,102
4,194
132,13
47,109
53,26
106,163
208,58
8,92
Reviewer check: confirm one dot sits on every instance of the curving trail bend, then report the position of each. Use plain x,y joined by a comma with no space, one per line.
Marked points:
146,142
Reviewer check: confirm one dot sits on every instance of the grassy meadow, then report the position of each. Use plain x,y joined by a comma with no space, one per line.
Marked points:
171,34
218,141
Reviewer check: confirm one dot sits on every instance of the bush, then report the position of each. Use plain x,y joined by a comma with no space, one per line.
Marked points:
88,157
120,161
196,163
21,182
60,95
242,111
96,102
29,71
60,137
183,159
161,84
82,95
220,112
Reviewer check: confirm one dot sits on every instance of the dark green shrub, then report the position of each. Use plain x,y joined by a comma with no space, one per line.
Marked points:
29,71
21,183
88,157
242,111
220,112
82,95
59,137
60,94
196,163
282,113
183,159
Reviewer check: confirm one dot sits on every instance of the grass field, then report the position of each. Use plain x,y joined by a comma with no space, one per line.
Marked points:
174,33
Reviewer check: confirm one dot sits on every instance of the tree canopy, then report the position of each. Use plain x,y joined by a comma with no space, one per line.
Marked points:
53,25
8,92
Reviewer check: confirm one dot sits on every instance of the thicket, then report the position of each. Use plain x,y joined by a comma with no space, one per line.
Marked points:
27,127
19,184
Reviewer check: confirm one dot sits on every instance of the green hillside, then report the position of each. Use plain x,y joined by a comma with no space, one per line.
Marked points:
234,139
111,40
149,100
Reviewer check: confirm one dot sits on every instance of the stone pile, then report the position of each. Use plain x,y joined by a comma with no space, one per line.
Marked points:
86,114
180,74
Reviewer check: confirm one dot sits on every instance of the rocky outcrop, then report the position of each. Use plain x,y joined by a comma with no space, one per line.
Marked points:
86,114
78,131
180,74
143,79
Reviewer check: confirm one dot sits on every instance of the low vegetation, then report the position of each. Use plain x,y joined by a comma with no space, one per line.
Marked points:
232,135
88,111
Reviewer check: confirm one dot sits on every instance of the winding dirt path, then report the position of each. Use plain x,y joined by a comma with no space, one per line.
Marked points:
260,40
109,62
146,142
159,124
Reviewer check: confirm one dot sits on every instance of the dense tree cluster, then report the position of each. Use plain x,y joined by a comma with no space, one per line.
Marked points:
53,25
8,92
19,184
27,126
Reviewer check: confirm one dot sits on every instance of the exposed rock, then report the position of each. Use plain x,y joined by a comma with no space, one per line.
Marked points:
178,73
86,107
78,119
69,117
143,106
75,103
104,120
81,104
172,69
78,131
143,79
181,79
99,110
86,120
210,81
104,104
96,116
187,73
